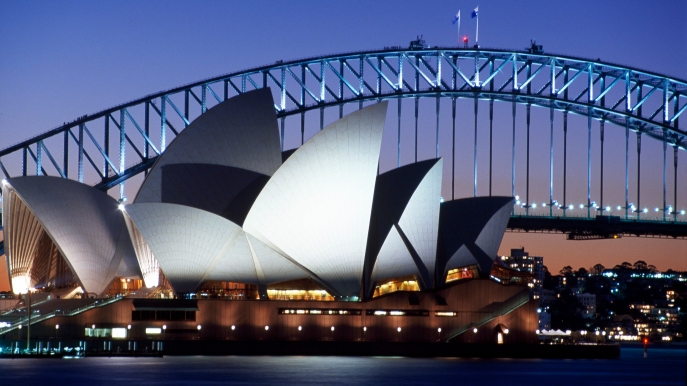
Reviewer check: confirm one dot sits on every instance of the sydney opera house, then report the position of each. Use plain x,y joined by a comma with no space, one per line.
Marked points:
229,238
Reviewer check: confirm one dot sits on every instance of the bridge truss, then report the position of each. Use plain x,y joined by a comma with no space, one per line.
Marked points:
643,104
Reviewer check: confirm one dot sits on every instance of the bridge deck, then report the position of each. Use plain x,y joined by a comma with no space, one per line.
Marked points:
601,227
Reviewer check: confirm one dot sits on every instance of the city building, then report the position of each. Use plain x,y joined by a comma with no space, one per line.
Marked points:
588,301
263,240
544,320
522,261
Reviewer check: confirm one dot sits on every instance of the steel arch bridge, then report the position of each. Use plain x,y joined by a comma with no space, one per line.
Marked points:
640,103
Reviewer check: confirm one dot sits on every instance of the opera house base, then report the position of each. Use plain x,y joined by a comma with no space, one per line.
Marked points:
333,348
468,318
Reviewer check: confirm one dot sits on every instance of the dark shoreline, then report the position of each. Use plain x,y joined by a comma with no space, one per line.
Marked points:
333,348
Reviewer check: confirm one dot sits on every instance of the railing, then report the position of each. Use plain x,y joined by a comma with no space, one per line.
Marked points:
70,312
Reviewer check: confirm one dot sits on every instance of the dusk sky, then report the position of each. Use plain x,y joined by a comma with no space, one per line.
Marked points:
61,60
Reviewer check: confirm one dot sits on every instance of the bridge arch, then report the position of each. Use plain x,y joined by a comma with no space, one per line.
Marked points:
95,147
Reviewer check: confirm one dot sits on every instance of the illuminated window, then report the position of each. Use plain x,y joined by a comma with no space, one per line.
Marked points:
397,312
468,272
404,283
119,332
318,311
303,289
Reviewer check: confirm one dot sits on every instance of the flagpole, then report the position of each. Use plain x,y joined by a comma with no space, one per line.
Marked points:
458,28
477,33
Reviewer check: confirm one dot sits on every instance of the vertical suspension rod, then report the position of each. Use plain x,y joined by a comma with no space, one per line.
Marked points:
551,162
674,183
627,167
491,124
665,149
453,149
475,150
491,139
565,161
639,174
79,172
417,89
512,163
302,87
398,164
65,165
601,178
281,132
589,162
527,173
122,149
436,151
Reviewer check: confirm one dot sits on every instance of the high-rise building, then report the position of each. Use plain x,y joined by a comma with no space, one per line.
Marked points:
522,261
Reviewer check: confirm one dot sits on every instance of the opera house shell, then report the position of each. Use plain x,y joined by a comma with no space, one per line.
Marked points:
224,204
221,205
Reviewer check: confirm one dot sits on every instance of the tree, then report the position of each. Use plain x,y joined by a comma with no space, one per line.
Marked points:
597,269
566,271
639,264
582,272
626,265
652,268
550,281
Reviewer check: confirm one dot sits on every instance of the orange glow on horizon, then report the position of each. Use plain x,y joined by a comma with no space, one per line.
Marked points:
558,252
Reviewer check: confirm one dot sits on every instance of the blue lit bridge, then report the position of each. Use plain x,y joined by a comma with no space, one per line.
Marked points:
600,155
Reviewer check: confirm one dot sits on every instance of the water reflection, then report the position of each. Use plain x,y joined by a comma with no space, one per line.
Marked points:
665,366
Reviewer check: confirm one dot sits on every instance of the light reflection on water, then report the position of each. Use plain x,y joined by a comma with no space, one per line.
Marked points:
664,366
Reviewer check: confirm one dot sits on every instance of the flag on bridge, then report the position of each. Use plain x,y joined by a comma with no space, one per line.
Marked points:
475,15
456,19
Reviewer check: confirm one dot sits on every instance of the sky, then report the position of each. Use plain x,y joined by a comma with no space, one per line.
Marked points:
61,60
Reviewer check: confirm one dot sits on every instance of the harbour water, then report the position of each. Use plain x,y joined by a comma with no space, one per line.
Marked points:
665,365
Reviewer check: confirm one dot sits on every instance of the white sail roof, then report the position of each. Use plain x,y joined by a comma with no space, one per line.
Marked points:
192,246
83,222
316,207
231,144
